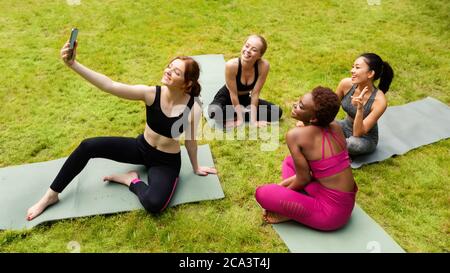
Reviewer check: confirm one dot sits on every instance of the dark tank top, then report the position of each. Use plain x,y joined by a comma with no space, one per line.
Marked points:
239,85
162,124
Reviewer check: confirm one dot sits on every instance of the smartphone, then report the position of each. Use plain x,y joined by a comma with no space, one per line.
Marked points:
73,37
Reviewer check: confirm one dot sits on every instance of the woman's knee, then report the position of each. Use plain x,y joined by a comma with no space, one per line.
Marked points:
287,167
87,145
357,146
264,192
288,162
154,204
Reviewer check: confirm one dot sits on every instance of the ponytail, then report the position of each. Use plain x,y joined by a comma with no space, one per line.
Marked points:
195,89
387,74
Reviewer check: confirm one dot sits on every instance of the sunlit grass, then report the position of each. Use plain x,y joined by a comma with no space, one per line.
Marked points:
46,110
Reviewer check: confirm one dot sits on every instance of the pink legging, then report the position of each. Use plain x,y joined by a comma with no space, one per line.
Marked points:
321,208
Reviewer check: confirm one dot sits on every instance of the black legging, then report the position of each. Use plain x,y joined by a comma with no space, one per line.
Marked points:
222,108
163,168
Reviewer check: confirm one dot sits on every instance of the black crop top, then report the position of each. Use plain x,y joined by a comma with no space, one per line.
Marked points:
170,127
239,85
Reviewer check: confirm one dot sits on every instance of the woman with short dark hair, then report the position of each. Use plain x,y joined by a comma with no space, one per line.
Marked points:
319,165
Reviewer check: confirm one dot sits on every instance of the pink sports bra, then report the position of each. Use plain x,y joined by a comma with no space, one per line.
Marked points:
335,163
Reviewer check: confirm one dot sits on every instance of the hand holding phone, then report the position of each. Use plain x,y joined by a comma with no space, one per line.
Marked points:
73,38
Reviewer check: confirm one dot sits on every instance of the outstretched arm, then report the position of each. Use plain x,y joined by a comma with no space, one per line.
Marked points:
131,92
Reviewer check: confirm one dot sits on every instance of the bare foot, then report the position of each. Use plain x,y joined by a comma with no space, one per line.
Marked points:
49,198
124,178
274,218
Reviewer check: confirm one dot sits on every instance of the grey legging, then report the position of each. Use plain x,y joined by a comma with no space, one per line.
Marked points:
358,145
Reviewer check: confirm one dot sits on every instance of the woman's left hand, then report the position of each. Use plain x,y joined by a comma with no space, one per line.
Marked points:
202,171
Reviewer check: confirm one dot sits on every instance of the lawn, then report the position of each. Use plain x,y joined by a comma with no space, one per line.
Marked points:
46,109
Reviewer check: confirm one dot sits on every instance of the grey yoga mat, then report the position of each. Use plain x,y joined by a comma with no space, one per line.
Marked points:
212,78
406,127
22,186
361,235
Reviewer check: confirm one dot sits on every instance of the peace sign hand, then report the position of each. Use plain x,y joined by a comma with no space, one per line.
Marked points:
358,101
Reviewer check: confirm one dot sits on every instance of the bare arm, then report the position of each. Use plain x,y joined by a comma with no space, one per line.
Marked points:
121,90
230,79
343,87
131,92
191,141
257,90
191,135
191,147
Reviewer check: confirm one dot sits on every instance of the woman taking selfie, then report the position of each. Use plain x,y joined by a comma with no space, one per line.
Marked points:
170,108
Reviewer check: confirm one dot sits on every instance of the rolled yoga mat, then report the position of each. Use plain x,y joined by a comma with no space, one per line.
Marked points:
22,186
406,127
360,235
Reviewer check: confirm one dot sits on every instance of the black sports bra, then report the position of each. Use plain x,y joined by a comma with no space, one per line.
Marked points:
170,127
239,85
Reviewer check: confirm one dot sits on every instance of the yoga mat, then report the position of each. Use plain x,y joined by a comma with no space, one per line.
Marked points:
212,78
406,127
361,235
22,186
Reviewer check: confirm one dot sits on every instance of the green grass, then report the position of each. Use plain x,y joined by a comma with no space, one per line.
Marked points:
46,110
